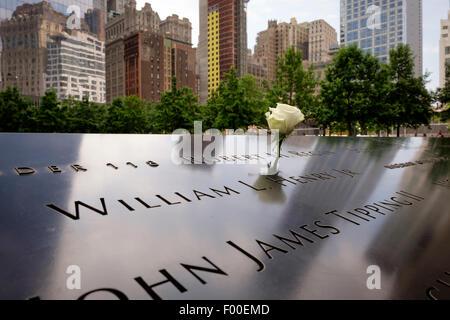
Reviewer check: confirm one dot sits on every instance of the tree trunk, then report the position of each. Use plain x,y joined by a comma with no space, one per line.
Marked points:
398,131
349,129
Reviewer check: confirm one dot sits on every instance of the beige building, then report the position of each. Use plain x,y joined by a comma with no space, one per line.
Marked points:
25,39
314,39
444,49
276,39
116,29
321,37
177,29
257,67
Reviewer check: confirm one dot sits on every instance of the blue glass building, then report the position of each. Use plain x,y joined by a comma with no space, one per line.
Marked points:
376,26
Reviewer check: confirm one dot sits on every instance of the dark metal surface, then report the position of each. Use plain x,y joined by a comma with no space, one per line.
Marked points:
131,241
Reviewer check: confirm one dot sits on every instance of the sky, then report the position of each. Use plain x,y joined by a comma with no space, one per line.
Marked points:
260,11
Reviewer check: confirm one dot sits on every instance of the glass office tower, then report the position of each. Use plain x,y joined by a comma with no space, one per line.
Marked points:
376,26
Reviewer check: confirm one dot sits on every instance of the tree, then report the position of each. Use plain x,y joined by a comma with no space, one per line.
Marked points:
443,94
351,90
409,99
293,84
49,116
84,116
177,109
237,103
127,115
14,111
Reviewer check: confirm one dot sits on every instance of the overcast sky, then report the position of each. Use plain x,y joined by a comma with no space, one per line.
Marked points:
259,11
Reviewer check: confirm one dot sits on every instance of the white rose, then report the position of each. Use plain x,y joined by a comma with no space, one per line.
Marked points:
284,118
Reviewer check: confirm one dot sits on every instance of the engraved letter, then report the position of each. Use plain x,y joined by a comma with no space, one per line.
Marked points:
151,292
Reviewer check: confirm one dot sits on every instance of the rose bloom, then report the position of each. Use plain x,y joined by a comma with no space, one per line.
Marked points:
284,118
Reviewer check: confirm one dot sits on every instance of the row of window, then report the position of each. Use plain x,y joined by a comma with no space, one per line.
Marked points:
20,42
356,3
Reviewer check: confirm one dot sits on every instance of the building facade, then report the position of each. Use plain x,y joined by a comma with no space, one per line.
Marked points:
115,8
177,29
144,72
180,62
444,49
116,30
94,8
76,66
143,53
152,60
376,26
222,42
321,37
257,67
25,27
314,39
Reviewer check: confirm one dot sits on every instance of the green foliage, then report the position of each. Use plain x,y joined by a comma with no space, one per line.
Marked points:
444,115
178,109
408,98
84,116
350,92
443,94
127,115
294,85
363,94
237,103
14,111
50,117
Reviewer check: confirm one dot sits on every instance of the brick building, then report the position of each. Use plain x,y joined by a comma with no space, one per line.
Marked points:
151,61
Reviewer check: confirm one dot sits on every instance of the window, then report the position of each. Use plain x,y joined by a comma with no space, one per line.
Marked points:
352,25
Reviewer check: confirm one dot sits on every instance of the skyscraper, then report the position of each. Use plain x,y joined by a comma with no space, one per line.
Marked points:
276,40
444,49
45,49
66,7
312,38
321,37
116,30
143,53
89,11
376,26
222,42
